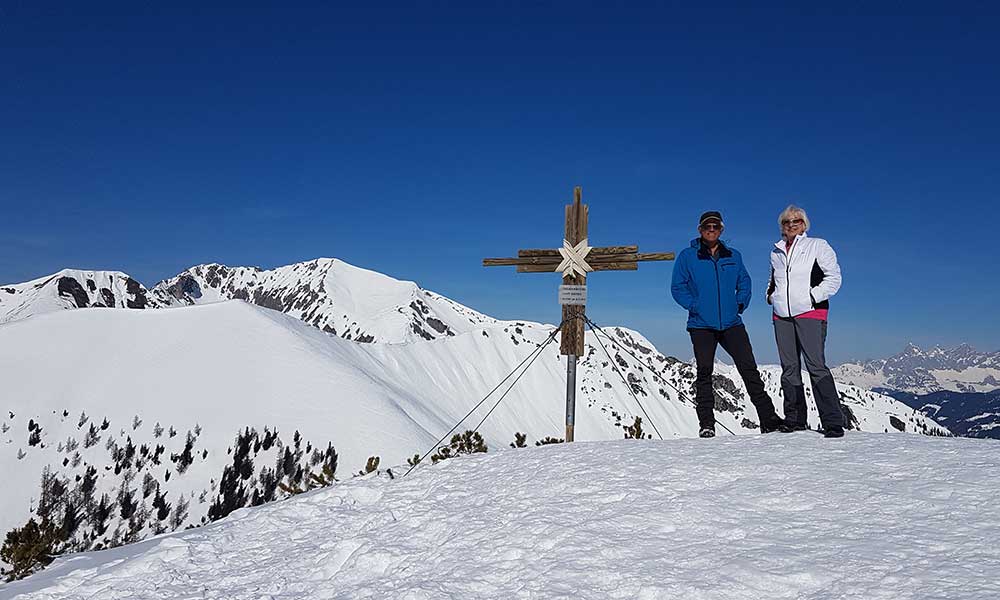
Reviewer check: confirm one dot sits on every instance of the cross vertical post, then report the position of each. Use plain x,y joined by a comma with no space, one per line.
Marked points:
571,342
570,396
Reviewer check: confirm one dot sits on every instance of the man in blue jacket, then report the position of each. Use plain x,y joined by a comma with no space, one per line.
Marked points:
712,284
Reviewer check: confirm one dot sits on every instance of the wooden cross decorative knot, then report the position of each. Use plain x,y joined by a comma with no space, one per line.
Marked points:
574,258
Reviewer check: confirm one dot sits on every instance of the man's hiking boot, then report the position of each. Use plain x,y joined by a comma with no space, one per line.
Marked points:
706,432
775,424
835,432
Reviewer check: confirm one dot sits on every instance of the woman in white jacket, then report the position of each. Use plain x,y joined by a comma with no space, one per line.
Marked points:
804,275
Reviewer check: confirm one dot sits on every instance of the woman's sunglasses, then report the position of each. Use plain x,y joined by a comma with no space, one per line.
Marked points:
792,222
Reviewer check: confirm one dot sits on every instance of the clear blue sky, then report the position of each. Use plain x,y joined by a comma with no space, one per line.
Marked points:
417,138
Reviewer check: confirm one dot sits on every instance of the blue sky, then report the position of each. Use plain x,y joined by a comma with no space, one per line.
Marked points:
416,139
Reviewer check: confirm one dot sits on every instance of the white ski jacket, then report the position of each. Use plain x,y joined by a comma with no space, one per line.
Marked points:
804,277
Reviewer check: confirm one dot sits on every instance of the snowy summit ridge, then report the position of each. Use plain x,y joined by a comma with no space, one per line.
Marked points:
334,296
354,303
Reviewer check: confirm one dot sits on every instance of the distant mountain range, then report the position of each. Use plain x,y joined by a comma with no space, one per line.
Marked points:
919,371
132,414
957,387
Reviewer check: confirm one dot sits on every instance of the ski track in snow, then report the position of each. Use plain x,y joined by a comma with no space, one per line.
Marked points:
869,516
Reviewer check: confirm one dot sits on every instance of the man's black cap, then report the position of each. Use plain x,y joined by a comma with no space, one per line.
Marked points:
712,215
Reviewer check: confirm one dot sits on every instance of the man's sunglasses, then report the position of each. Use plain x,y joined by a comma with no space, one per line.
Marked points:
711,226
792,222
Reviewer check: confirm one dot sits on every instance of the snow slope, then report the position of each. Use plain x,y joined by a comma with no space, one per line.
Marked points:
791,516
971,414
209,372
218,368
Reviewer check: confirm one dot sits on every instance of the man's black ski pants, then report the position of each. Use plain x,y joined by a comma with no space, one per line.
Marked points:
736,343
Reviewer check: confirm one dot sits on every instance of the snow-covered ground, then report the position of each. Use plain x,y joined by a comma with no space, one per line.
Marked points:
135,413
869,516
208,372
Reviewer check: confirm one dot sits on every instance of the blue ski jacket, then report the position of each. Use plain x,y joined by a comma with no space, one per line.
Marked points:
714,290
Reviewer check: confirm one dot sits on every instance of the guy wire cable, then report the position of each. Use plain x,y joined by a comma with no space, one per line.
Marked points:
624,380
611,338
504,395
551,337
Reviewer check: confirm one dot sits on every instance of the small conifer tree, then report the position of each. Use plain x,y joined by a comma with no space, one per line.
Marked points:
470,442
371,466
549,440
635,432
29,548
92,437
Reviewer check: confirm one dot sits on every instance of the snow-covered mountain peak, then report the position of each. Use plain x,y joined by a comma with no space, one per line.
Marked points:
69,289
337,297
964,352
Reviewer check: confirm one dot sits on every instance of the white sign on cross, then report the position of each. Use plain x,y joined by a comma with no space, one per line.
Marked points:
573,295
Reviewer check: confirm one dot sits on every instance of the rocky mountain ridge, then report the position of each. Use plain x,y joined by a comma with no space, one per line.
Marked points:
919,371
350,302
72,289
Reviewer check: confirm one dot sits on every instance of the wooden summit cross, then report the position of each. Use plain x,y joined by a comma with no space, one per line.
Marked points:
574,260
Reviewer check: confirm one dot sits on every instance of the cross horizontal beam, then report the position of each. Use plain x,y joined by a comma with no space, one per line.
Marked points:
555,260
598,258
599,251
611,266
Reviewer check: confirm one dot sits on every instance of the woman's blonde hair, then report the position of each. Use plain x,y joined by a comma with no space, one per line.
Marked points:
792,212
